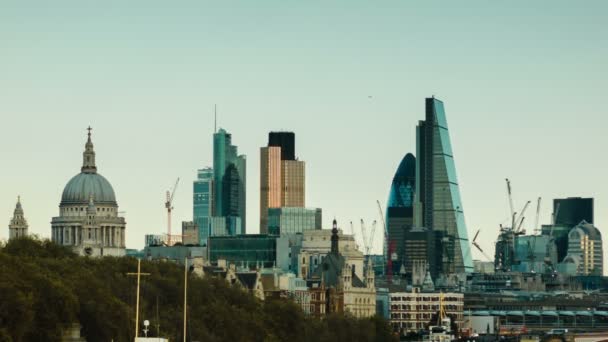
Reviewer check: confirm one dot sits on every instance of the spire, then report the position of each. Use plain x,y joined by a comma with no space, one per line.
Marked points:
18,213
334,238
88,157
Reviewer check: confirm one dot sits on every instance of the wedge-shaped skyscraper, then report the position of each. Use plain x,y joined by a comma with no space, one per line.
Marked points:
437,202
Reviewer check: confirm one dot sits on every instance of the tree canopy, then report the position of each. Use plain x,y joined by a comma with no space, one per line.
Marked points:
44,288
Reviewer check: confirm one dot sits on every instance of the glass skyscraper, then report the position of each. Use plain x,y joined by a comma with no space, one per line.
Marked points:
203,203
229,175
438,205
282,176
400,209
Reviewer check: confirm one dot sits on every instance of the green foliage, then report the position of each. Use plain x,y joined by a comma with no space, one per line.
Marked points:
45,288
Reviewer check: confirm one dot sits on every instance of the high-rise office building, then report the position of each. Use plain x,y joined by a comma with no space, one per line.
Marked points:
400,209
567,213
229,180
286,141
573,210
437,202
203,203
585,251
282,177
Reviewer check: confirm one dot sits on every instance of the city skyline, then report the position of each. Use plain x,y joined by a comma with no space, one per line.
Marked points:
546,136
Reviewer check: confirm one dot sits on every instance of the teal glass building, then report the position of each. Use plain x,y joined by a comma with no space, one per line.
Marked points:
400,210
291,220
203,203
244,250
438,202
229,179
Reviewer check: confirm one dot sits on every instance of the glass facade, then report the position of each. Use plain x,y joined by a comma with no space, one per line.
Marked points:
229,178
225,226
286,141
282,176
437,188
573,210
400,210
244,250
203,203
288,220
270,179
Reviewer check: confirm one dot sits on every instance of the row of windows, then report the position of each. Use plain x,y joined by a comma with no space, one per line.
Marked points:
426,299
363,301
84,208
424,307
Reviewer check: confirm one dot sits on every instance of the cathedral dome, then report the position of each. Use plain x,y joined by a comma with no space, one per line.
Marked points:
88,184
83,186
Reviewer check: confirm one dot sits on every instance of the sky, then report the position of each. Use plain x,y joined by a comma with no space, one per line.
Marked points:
523,85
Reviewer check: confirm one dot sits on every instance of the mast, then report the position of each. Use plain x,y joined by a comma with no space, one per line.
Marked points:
185,293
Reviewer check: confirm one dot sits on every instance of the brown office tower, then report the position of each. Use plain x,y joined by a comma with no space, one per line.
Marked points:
282,176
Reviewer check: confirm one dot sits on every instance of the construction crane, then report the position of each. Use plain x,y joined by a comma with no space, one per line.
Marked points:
371,236
169,206
532,245
520,220
368,240
553,219
511,203
536,230
479,247
364,237
385,246
505,246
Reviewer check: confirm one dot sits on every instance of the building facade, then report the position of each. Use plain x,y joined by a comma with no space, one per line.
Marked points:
413,311
288,220
422,245
282,176
585,251
344,291
229,180
248,251
190,231
438,205
400,210
88,218
18,226
573,210
316,245
203,203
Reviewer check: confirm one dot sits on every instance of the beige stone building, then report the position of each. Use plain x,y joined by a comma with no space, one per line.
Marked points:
89,220
412,311
336,287
316,245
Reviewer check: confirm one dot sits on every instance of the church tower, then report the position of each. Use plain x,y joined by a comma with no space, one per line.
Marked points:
18,226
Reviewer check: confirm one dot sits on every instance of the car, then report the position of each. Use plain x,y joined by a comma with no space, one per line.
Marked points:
557,332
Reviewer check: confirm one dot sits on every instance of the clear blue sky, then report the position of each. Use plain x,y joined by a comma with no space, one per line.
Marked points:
523,83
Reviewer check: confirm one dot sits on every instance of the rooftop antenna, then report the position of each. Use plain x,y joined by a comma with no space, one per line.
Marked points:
215,122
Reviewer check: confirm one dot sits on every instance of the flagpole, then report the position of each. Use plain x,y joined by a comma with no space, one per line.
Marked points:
185,293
